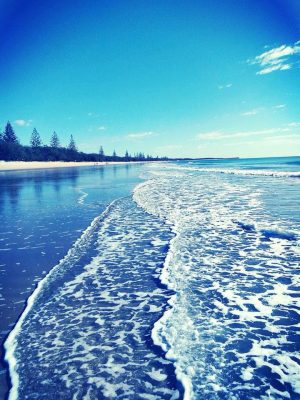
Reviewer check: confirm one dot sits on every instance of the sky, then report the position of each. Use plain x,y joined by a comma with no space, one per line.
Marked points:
214,78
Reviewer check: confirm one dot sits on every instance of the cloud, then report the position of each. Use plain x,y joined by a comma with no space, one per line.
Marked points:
256,111
251,112
22,122
271,140
220,135
101,128
93,115
170,147
140,135
293,124
211,135
227,86
278,67
278,59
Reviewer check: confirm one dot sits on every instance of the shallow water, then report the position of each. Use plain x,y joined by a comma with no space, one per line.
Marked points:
190,289
88,332
233,329
42,214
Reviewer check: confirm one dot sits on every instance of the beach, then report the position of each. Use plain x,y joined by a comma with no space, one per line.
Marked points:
170,280
16,165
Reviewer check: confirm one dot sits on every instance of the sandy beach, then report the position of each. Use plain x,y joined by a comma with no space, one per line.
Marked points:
15,165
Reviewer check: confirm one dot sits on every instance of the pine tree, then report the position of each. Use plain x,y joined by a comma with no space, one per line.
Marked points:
35,140
101,154
9,135
114,154
54,141
126,156
72,144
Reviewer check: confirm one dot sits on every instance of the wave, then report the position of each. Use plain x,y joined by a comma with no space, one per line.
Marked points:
160,335
269,233
242,172
73,254
230,327
87,332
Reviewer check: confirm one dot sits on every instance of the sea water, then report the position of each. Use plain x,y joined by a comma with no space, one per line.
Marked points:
42,213
187,289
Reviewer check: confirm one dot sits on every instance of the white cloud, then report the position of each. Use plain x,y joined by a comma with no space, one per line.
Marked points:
101,128
211,135
278,67
22,122
271,140
293,124
227,86
140,135
170,147
278,59
93,115
251,112
256,111
220,135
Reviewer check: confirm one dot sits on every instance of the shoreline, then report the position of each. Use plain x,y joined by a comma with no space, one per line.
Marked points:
22,165
61,200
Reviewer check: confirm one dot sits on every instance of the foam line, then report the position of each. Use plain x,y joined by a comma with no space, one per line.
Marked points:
11,341
235,310
244,172
159,337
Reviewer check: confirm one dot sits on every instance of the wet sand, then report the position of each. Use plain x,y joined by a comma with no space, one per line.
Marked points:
15,165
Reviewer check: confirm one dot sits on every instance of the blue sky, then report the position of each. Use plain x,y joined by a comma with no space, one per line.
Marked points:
195,78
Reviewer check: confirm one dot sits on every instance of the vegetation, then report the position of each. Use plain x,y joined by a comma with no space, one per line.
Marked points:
35,140
54,141
12,150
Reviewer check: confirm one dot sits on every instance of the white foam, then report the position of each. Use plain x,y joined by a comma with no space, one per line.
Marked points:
236,171
222,276
11,341
82,196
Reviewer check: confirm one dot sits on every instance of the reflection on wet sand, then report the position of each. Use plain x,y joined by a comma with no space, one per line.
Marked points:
13,182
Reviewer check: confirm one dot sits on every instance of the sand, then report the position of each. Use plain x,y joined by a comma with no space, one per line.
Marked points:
15,165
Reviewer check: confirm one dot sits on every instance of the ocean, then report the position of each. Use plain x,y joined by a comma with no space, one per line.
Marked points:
42,213
180,283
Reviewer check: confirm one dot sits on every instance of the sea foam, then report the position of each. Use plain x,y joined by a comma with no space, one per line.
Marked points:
11,342
87,331
231,329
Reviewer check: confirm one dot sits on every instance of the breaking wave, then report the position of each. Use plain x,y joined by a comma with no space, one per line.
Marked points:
86,330
242,172
232,327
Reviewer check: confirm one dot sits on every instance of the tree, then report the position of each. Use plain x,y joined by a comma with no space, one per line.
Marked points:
72,144
126,156
9,135
101,154
35,140
114,154
54,141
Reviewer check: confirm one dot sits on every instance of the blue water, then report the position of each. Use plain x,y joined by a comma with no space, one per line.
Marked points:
189,288
42,213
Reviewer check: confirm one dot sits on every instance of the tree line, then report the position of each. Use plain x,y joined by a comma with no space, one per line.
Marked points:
12,150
